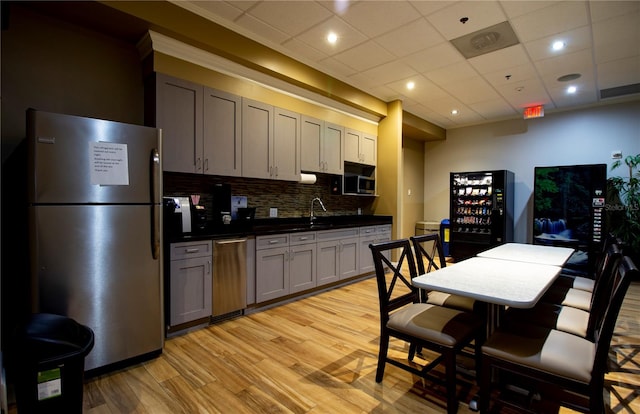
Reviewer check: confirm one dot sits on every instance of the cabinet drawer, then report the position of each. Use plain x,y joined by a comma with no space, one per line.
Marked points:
302,238
277,240
337,234
384,228
190,249
365,231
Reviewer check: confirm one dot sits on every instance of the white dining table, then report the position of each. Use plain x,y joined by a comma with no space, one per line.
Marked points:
497,281
531,253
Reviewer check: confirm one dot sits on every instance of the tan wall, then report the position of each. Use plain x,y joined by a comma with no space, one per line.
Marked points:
413,185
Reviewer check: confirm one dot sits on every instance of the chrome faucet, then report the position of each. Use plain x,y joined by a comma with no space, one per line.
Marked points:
312,217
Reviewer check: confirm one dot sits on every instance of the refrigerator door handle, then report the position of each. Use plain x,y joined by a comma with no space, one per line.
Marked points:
155,210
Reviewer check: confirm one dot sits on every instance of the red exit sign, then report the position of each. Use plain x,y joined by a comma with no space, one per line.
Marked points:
534,112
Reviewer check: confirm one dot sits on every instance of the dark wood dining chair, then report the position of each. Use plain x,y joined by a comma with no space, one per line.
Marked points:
442,330
570,319
562,367
429,256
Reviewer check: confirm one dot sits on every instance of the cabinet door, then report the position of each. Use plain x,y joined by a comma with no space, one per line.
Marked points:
328,269
368,149
190,289
179,114
333,149
286,145
222,143
302,267
349,255
352,151
368,235
311,138
272,273
257,138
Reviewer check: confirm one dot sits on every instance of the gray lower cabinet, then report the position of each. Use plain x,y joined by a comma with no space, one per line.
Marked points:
302,261
371,235
190,281
338,255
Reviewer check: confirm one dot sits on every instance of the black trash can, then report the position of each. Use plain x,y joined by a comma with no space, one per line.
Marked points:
50,369
445,229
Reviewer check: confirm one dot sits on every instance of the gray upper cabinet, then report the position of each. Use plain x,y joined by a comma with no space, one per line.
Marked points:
200,127
257,138
285,159
360,147
222,133
179,114
322,146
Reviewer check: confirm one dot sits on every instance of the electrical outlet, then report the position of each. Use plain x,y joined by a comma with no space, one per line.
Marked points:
273,212
616,155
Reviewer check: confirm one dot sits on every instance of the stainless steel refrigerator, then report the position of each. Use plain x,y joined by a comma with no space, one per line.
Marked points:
95,230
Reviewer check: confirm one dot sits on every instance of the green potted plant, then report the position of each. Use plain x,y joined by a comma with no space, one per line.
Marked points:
624,205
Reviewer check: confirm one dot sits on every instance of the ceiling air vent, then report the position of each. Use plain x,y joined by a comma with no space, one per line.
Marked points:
620,91
486,40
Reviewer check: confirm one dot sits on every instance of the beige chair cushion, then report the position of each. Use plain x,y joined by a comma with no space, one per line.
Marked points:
434,323
548,350
583,283
563,318
451,301
577,298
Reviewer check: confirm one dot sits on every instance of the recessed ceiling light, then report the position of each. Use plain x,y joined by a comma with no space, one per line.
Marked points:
572,89
411,85
558,45
454,112
332,37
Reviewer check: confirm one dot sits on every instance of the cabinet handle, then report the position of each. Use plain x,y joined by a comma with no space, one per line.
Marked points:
276,170
206,164
191,250
209,265
273,241
198,164
303,238
286,256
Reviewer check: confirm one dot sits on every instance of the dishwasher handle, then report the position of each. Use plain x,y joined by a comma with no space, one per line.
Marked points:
231,241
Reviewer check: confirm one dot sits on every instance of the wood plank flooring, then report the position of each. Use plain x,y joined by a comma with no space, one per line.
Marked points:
314,355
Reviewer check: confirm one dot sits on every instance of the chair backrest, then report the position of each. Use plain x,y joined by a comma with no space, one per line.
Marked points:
394,287
603,288
623,274
426,247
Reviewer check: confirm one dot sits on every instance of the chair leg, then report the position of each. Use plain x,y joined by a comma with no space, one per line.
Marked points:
452,395
412,351
485,386
382,356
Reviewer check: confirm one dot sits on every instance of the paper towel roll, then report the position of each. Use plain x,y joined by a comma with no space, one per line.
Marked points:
307,178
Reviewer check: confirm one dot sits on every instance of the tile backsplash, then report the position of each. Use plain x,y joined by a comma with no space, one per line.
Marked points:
290,198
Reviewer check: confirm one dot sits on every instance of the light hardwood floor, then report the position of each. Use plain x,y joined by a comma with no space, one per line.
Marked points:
314,355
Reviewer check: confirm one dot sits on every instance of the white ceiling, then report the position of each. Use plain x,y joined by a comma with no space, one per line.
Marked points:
383,44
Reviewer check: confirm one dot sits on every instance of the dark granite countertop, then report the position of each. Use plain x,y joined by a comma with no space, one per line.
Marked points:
279,225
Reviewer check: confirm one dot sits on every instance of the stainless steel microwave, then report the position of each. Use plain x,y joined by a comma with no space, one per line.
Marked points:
359,184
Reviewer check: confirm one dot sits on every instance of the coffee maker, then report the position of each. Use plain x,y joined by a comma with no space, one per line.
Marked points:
221,210
177,215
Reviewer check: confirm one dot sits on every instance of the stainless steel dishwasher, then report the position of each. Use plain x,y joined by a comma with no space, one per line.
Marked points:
229,276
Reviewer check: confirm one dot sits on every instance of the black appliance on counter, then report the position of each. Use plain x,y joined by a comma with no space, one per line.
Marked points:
221,206
481,211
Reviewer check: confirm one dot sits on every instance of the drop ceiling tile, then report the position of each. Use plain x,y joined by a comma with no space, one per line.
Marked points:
452,73
617,38
240,4
333,65
384,93
526,93
424,89
471,91
290,17
441,55
619,72
364,56
518,8
220,10
481,14
347,36
583,96
603,10
374,18
425,113
575,40
261,29
500,59
560,17
429,7
302,50
511,75
410,38
585,82
577,62
389,72
494,108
